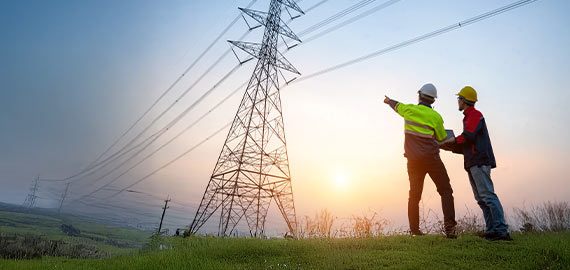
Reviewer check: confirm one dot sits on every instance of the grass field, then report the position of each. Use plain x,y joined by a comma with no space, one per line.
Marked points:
110,239
527,251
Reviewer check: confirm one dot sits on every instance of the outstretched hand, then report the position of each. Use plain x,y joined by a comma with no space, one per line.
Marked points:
386,99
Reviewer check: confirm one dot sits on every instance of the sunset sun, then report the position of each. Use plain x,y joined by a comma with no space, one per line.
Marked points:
341,180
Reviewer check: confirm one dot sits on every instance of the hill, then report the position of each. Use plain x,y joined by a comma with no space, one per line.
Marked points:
46,224
527,251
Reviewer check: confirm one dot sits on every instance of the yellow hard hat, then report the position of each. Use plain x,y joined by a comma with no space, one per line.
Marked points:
468,93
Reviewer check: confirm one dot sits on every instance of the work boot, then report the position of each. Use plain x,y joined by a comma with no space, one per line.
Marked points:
450,233
498,237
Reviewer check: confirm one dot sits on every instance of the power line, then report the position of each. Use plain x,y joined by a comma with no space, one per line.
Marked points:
89,167
374,54
429,35
109,160
115,207
377,53
336,16
63,196
175,82
314,6
171,161
155,136
205,73
172,139
351,20
158,134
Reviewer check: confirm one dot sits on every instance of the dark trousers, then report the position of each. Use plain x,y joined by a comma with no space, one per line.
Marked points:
417,170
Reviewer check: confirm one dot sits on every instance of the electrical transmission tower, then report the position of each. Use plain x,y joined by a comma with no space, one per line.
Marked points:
253,166
30,201
63,196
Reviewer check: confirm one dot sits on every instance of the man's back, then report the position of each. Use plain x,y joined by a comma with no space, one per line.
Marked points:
422,127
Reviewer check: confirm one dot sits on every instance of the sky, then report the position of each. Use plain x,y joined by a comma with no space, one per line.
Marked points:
77,74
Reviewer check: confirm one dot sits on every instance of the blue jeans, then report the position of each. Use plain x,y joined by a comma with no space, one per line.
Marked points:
482,185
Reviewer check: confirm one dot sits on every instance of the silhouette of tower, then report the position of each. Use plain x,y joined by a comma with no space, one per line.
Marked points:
253,167
30,201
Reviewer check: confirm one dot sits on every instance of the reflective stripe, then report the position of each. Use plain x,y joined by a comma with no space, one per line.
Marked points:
419,125
422,121
419,134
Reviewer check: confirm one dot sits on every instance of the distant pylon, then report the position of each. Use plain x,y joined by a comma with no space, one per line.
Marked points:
30,201
63,196
253,166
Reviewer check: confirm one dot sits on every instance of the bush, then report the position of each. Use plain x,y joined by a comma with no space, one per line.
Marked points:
548,217
70,230
470,223
32,247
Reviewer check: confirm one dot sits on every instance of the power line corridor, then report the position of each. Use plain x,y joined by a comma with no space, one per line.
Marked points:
253,168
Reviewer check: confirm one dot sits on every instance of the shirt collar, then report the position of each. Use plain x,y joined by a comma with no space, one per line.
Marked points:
425,104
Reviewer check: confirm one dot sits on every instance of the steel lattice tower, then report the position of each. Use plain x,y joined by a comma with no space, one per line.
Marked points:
30,201
253,166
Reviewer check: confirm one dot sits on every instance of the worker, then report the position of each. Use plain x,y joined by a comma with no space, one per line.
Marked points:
475,146
423,130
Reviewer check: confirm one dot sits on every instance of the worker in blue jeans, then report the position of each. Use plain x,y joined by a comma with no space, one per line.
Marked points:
475,145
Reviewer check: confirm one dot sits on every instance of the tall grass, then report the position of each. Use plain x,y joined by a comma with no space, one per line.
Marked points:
318,227
546,217
323,226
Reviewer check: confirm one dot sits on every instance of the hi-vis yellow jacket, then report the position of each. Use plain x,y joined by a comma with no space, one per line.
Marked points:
422,127
421,120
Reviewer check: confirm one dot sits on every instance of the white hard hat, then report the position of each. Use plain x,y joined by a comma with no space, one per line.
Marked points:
428,89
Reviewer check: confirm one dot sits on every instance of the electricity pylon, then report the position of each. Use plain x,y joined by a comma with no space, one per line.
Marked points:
63,196
253,166
30,201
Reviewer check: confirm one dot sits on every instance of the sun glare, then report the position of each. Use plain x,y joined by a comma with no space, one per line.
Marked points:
340,180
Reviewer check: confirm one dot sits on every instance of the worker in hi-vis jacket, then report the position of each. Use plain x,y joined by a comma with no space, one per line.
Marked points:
424,130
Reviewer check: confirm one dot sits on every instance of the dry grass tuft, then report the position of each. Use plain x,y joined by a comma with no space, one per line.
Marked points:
547,217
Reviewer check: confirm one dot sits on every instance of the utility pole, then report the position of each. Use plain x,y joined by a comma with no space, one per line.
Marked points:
63,197
163,212
30,201
253,167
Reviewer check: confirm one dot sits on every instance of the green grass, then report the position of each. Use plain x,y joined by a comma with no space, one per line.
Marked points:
527,251
111,239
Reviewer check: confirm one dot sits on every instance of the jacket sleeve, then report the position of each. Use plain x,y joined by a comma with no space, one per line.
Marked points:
453,147
440,133
402,109
470,130
393,104
456,148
